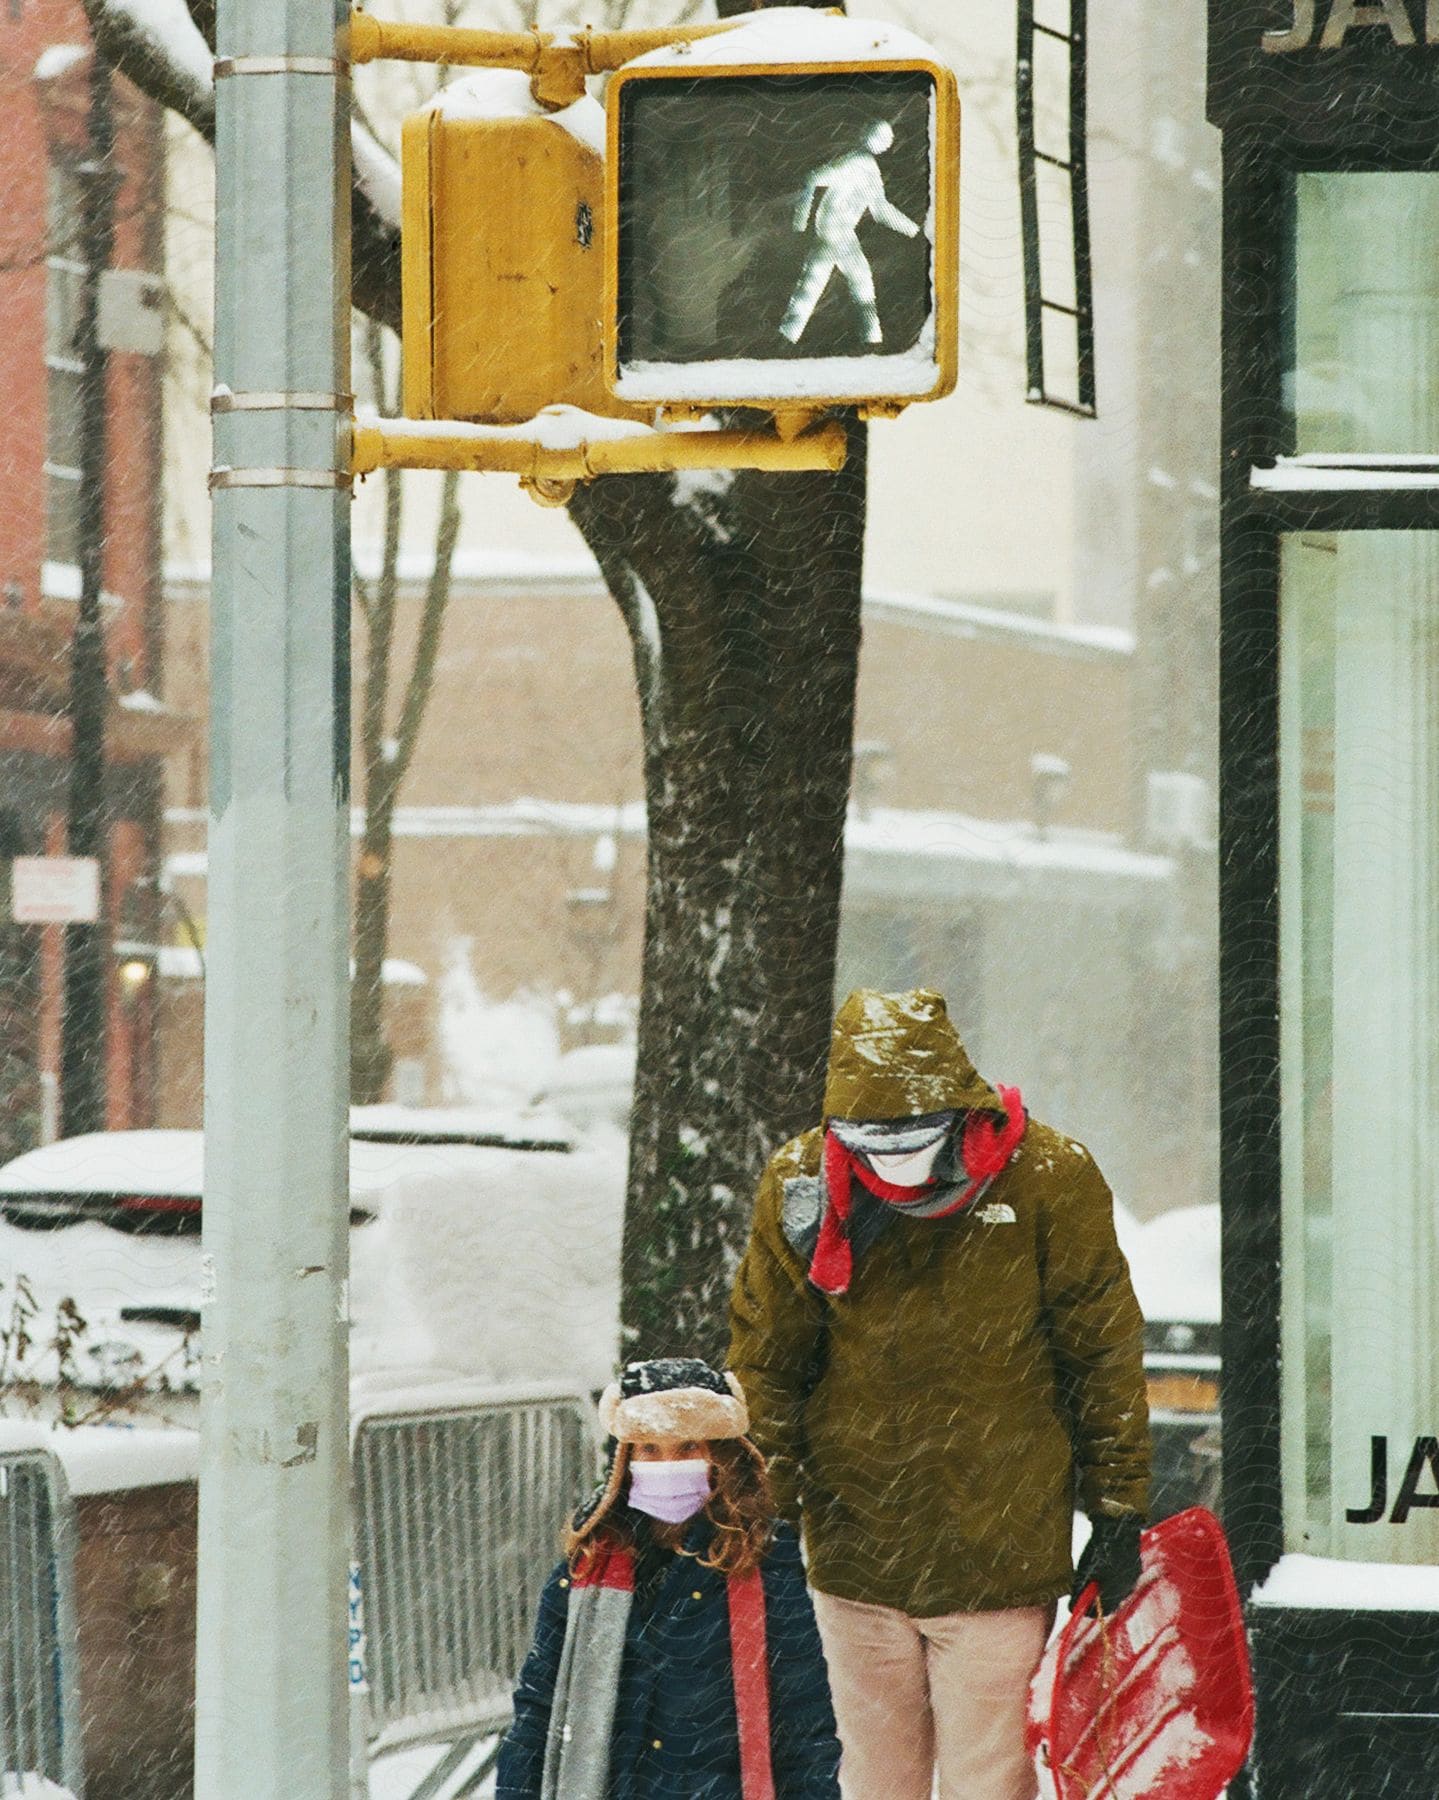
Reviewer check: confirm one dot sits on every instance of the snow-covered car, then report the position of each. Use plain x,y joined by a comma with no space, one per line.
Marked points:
139,1181
592,1087
532,1129
153,1180
1174,1260
479,1248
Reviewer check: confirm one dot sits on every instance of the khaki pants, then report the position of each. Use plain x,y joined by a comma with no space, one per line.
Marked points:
912,1696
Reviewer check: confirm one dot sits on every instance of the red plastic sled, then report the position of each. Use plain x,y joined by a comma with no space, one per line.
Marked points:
1156,1702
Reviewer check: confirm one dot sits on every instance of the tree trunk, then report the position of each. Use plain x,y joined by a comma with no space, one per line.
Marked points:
746,623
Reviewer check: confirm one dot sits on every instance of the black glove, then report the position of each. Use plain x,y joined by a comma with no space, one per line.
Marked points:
1111,1558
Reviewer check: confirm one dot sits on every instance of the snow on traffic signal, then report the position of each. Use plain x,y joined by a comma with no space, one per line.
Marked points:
781,219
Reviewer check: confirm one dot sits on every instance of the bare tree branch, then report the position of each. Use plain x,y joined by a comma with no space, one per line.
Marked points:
164,53
191,326
364,591
380,612
427,646
166,50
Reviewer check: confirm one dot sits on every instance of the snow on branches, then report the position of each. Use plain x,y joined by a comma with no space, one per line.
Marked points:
163,47
157,44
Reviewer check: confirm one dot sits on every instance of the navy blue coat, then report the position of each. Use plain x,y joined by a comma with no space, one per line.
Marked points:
675,1735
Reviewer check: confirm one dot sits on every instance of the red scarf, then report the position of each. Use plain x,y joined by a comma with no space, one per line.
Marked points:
985,1148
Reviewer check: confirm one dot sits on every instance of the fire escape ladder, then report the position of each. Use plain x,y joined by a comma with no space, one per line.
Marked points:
1058,280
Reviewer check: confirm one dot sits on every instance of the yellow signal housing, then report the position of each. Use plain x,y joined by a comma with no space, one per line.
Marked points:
502,260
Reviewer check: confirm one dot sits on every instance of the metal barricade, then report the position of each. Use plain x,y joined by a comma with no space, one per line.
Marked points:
458,1505
39,1711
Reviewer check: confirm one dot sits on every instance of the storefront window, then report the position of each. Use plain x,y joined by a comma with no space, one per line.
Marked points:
1359,905
1364,376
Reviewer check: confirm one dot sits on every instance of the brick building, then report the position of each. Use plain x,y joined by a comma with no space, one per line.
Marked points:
45,81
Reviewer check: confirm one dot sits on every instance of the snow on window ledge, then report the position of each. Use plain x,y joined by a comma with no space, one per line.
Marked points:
1320,1583
56,60
1345,474
61,581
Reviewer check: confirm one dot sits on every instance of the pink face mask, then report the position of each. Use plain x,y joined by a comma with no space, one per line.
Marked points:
670,1491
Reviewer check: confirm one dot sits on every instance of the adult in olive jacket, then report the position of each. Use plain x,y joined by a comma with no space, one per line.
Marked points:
935,1330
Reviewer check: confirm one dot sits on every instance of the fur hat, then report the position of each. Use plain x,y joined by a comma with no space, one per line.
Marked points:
673,1397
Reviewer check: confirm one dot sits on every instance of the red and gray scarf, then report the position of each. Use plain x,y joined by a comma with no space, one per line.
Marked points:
582,1718
985,1147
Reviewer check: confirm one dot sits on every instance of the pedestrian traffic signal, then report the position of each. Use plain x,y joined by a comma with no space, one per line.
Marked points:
767,220
782,234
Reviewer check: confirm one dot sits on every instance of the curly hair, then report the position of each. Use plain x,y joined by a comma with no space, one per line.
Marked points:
740,1507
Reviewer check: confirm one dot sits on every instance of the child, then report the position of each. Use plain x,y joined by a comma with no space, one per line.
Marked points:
676,1655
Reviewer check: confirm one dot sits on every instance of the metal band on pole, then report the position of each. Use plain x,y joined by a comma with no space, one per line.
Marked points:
277,401
280,65
278,478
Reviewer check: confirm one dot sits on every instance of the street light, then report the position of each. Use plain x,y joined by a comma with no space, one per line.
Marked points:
135,973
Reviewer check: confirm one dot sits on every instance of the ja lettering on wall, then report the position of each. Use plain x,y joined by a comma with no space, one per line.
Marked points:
1326,26
1424,1456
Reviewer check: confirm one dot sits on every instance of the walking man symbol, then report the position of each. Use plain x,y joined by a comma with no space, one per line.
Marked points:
841,195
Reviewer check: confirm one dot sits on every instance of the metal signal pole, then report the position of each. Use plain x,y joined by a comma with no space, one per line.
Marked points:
270,1693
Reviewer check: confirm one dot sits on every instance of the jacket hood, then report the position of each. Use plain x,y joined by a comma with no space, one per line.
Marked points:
894,1056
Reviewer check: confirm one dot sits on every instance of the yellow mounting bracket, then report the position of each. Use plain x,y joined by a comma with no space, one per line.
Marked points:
552,454
558,66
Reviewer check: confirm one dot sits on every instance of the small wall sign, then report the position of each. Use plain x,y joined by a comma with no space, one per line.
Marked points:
55,890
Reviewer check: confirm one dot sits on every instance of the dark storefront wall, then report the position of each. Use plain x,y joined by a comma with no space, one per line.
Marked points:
1330,865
